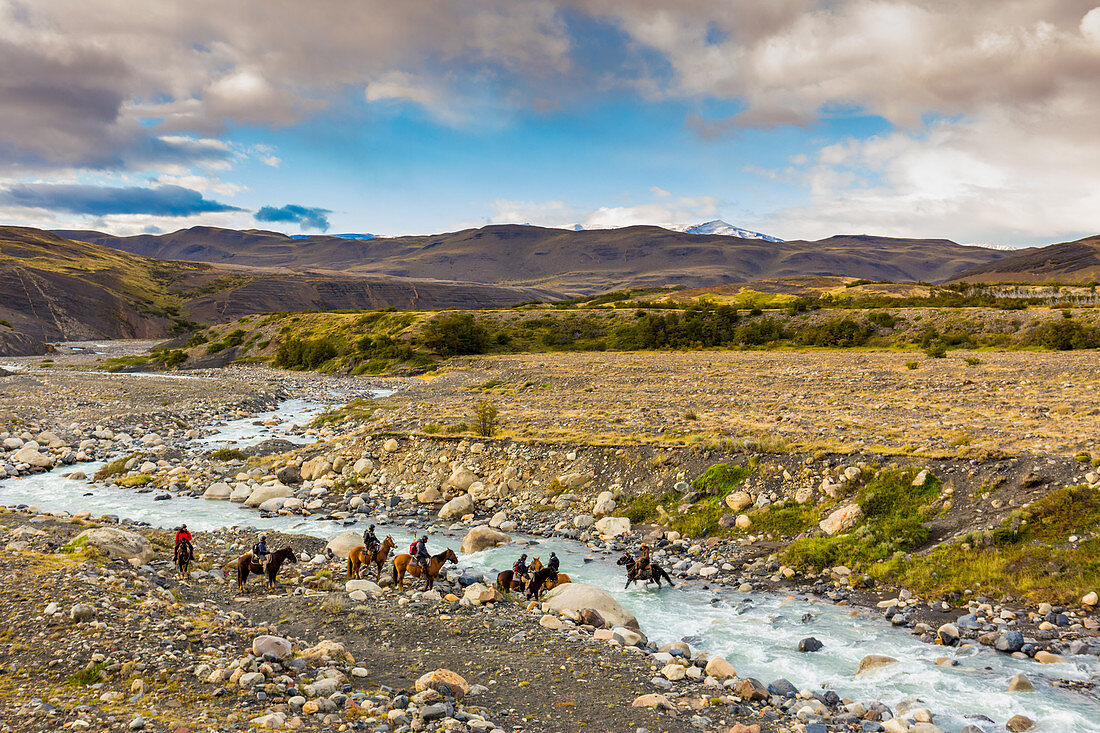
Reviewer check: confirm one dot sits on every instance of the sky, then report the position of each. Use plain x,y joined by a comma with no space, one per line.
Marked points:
972,120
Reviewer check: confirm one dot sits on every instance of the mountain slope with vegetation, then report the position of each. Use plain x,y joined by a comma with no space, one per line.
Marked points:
577,262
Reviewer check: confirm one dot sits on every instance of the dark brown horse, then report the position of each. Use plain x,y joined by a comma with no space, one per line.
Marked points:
544,579
360,558
247,564
402,564
635,573
183,557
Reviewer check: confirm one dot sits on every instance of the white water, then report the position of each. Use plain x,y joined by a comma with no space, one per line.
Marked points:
758,633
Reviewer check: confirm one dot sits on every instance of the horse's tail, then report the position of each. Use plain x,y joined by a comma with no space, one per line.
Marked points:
666,576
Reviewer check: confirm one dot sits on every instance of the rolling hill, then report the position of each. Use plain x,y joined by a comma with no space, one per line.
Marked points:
54,289
1068,262
575,262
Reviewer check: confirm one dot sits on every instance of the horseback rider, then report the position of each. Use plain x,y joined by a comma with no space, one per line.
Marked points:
260,551
643,562
419,551
183,537
520,571
370,540
552,567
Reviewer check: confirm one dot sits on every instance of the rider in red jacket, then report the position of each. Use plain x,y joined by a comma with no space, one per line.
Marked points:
182,535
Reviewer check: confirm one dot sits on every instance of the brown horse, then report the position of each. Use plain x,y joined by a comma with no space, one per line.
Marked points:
403,564
509,583
183,557
543,579
360,558
247,564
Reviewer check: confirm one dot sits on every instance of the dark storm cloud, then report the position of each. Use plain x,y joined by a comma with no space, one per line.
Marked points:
105,200
306,217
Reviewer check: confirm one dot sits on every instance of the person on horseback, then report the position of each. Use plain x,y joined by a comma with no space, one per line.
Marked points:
183,536
552,567
643,560
260,551
370,540
419,551
520,570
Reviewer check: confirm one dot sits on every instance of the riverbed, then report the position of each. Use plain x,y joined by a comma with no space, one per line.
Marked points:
758,633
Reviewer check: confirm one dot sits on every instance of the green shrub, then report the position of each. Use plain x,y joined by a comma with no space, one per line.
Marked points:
485,415
305,353
455,334
227,454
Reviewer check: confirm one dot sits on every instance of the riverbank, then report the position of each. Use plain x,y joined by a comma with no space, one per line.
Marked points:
173,636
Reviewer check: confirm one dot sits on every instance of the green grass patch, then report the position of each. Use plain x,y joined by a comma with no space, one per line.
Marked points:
228,454
89,675
139,479
702,518
894,515
788,521
114,468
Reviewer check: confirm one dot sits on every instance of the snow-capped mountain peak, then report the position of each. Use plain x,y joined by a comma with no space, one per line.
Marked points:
727,230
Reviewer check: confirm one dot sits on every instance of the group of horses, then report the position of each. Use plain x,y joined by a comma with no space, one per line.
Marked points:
360,559
540,579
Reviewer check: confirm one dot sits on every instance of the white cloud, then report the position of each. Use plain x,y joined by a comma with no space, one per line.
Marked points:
664,210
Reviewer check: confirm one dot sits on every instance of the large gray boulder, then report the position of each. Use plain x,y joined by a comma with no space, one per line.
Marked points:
844,518
577,596
482,538
264,493
32,457
343,543
219,491
118,543
613,526
457,507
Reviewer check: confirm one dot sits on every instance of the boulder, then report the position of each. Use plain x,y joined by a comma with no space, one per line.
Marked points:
583,521
390,446
1090,599
82,612
1045,657
743,521
575,480
613,526
343,543
363,467
948,635
219,491
842,519
874,661
482,538
550,622
275,646
457,507
32,457
251,679
118,543
240,493
1019,723
462,478
673,672
445,682
751,689
1020,683
738,501
719,668
653,700
809,644
267,492
429,495
1009,642
325,648
365,586
591,617
479,593
576,596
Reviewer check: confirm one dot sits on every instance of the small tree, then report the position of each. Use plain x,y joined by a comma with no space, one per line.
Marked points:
485,418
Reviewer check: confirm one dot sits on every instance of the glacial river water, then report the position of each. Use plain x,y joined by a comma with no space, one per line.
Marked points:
758,633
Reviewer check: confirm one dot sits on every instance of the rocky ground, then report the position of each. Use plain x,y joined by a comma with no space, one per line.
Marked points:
98,643
608,430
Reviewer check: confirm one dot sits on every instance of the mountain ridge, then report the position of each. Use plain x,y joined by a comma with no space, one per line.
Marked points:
575,262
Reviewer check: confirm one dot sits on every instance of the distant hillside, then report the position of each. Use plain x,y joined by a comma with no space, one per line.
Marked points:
577,262
55,289
1068,262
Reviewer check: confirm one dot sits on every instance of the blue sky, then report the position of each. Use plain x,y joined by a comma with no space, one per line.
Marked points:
973,121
